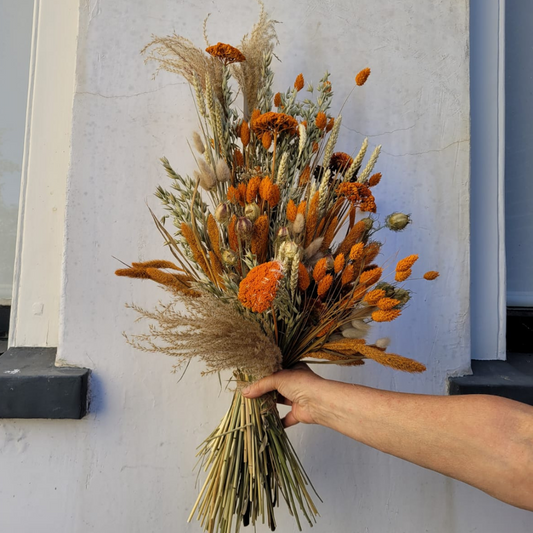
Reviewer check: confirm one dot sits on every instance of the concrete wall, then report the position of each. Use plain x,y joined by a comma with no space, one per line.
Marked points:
127,466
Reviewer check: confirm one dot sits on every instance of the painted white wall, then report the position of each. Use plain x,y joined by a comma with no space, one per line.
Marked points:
15,39
127,466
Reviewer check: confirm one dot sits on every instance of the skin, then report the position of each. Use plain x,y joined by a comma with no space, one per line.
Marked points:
485,441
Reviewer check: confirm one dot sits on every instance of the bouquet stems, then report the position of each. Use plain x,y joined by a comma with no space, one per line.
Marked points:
251,464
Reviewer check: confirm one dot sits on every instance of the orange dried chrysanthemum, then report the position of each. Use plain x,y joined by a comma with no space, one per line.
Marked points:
321,120
303,277
369,277
340,161
277,99
274,123
406,263
373,297
361,78
227,53
358,194
319,272
402,275
431,275
299,82
338,264
386,316
324,285
292,211
258,289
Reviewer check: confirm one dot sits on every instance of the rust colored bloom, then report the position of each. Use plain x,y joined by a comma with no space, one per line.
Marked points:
237,195
274,123
431,275
361,78
338,264
340,161
386,316
373,297
321,120
359,293
259,244
304,176
369,277
357,251
132,273
256,113
245,133
292,210
303,277
273,195
320,269
258,289
348,274
302,207
266,139
406,263
371,251
402,275
386,304
315,147
374,179
358,194
227,53
238,158
329,127
277,99
353,237
299,82
329,234
264,187
252,189
324,285
232,235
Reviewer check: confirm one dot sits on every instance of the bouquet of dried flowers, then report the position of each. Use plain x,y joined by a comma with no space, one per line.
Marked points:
275,262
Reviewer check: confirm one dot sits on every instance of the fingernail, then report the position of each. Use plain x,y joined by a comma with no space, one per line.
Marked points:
246,390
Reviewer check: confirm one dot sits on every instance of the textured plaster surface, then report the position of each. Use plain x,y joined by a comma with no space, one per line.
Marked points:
127,467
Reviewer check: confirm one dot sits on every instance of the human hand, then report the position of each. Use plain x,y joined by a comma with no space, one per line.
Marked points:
296,387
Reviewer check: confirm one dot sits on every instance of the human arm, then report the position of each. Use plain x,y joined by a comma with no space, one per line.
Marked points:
485,441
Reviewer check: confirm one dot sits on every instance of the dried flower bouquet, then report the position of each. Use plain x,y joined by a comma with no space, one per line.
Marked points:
275,262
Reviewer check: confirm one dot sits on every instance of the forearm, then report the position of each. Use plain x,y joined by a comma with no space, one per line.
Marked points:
481,440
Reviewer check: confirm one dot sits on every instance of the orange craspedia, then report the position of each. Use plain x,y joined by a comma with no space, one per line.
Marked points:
321,120
386,316
277,99
227,53
402,275
258,289
299,82
273,195
348,274
386,304
245,133
319,272
303,277
292,211
252,189
266,139
361,78
369,277
338,264
357,251
431,275
373,297
330,125
324,285
406,263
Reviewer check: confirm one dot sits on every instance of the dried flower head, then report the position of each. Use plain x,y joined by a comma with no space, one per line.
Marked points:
386,304
324,285
358,194
292,210
338,264
431,275
245,133
373,297
277,99
369,277
274,123
386,316
374,179
226,53
320,269
303,277
362,76
258,289
321,120
299,82
402,275
406,263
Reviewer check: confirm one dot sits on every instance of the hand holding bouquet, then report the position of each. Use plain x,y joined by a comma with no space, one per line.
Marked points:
275,253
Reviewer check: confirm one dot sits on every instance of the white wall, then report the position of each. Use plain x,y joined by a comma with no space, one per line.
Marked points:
127,466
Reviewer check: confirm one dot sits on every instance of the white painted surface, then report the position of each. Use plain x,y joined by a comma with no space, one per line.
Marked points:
519,153
37,281
126,468
15,39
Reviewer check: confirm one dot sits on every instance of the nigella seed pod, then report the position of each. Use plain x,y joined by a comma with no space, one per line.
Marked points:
244,228
223,213
283,233
229,258
252,212
288,250
397,221
403,295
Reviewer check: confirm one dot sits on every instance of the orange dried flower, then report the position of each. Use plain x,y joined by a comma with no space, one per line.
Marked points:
214,235
299,82
274,123
324,331
252,189
245,133
321,120
264,187
304,176
292,211
315,147
320,269
361,78
256,113
259,245
340,161
431,275
232,236
273,195
197,252
227,53
371,251
391,360
373,297
358,194
369,277
231,195
312,220
353,237
277,100
238,158
359,293
348,274
402,275
241,194
304,124
338,264
303,277
329,127
324,285
132,273
386,304
357,251
406,263
386,316
155,263
258,289
329,234
266,139
374,179
301,207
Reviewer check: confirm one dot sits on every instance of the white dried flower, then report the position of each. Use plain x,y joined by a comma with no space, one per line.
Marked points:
313,248
207,176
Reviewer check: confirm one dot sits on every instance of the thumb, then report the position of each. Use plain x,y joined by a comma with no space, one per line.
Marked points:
260,387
